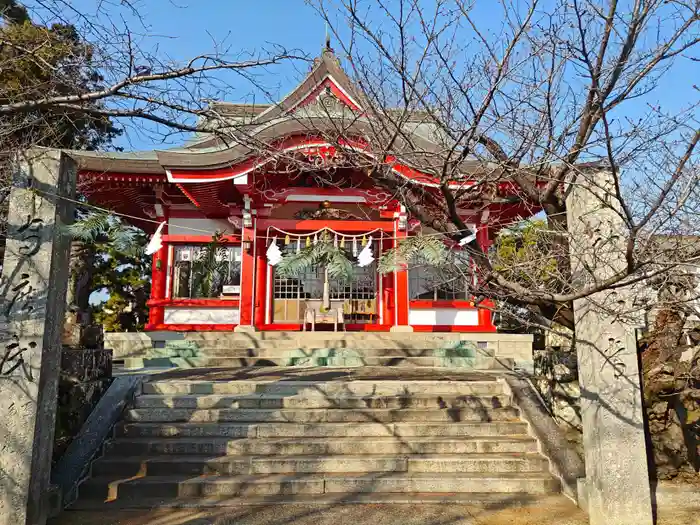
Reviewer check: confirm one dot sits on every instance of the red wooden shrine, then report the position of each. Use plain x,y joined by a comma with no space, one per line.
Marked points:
291,190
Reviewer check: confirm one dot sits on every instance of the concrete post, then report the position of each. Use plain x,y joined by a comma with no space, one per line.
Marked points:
617,477
34,286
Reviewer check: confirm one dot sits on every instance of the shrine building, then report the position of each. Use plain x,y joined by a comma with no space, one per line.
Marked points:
293,180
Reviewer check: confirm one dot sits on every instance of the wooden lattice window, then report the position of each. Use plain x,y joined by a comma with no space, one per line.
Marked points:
194,279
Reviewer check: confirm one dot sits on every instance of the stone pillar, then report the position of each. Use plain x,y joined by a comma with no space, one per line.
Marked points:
617,477
34,285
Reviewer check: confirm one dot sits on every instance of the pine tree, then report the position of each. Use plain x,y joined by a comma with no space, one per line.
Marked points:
39,61
108,257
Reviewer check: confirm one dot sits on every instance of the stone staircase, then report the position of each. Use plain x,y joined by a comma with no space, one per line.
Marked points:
209,438
326,349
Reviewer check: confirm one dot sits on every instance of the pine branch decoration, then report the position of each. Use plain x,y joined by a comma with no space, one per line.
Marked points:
421,248
294,265
323,253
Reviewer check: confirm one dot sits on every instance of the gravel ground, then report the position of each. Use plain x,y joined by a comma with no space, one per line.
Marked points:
554,510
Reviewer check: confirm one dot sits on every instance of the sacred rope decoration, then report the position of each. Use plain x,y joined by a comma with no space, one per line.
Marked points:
324,248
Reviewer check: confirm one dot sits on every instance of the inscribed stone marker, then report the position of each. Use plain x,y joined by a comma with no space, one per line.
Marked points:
33,286
617,477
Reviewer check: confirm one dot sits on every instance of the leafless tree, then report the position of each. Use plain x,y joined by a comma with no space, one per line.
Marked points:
117,71
529,96
74,79
534,95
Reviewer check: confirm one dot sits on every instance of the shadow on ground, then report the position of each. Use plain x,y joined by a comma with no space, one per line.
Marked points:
554,510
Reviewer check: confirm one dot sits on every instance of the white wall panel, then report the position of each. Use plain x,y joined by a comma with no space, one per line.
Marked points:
205,226
191,315
443,316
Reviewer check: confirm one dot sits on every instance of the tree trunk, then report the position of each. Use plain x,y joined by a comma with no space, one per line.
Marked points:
82,264
672,399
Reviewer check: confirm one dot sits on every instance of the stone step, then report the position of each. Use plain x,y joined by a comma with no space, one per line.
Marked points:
467,363
276,484
319,400
328,348
354,340
485,463
319,430
319,415
486,500
126,467
353,387
309,446
532,483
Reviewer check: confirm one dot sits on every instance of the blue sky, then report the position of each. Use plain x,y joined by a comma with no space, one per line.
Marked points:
185,28
180,29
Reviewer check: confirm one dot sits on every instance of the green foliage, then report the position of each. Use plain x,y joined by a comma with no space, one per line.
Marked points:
13,12
210,264
424,249
323,253
525,255
126,276
112,256
38,62
92,228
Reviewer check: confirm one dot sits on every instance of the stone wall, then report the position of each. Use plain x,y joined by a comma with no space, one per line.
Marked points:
676,443
515,348
556,378
672,402
85,376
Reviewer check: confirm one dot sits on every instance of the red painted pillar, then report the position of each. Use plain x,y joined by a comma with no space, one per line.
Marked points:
248,257
483,238
388,299
159,274
385,310
260,284
400,324
485,313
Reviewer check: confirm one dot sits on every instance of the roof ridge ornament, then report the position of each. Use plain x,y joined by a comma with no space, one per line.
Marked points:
326,51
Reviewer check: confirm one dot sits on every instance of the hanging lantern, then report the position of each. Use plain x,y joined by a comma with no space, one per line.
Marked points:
287,240
342,242
308,241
